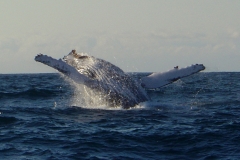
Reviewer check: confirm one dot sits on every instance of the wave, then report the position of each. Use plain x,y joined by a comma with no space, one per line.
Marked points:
31,93
7,120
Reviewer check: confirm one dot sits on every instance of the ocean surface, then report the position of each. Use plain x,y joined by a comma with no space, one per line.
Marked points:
44,116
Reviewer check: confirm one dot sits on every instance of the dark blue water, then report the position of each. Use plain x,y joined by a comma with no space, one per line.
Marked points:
197,117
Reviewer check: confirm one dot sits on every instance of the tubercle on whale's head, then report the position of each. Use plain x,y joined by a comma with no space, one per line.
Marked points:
80,61
76,55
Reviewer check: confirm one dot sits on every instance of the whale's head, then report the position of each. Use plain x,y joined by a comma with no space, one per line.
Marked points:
73,55
92,67
74,58
82,62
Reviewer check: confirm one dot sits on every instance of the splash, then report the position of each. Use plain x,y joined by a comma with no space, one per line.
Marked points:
87,98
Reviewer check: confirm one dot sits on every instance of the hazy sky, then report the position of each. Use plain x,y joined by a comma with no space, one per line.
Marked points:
136,35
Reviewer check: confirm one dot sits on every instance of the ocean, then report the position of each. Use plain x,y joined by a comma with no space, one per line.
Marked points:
43,116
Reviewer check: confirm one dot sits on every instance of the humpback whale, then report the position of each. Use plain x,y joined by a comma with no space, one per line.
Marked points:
116,87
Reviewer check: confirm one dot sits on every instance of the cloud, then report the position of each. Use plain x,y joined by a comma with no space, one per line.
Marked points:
131,51
233,33
9,45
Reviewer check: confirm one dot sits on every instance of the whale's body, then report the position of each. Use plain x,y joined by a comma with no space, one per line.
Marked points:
114,86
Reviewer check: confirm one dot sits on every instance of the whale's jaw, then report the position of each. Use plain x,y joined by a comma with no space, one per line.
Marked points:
102,77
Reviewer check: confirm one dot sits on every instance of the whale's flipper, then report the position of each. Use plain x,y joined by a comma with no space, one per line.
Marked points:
64,68
157,80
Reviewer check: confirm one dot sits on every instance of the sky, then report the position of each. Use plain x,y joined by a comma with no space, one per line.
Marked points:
135,35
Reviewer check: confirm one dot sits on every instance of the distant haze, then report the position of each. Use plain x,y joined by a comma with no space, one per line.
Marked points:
136,35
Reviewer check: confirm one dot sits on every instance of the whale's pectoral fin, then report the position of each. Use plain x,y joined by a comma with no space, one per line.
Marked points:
64,68
56,64
156,80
